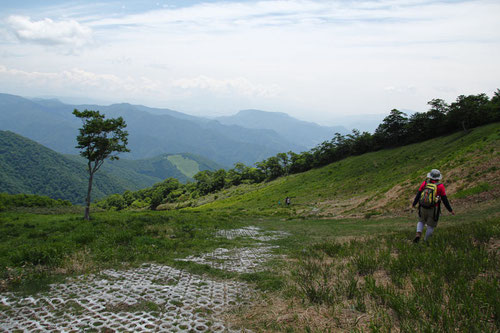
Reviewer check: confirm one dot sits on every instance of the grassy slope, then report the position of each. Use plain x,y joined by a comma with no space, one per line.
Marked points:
138,174
186,166
381,181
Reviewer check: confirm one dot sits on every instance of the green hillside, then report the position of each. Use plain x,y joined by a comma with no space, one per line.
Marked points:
30,168
379,182
146,172
180,166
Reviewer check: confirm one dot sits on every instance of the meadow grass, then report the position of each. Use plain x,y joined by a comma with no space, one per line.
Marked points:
187,166
338,274
367,275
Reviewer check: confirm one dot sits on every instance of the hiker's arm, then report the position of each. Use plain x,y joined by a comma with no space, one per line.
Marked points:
444,198
417,197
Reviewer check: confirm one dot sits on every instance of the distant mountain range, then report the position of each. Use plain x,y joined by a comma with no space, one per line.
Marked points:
250,136
28,167
293,130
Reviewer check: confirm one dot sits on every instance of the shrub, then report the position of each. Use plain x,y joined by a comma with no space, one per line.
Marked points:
30,200
43,254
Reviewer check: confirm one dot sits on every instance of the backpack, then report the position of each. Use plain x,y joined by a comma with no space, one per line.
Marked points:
429,198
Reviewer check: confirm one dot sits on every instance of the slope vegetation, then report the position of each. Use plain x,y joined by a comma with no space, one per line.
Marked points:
30,168
380,182
146,172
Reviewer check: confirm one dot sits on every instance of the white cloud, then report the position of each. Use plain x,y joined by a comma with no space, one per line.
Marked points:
239,85
393,89
76,79
49,32
230,17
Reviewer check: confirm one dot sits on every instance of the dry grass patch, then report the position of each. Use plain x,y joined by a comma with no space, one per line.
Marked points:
160,230
78,262
276,313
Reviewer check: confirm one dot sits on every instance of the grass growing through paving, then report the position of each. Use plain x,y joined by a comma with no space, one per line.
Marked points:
36,248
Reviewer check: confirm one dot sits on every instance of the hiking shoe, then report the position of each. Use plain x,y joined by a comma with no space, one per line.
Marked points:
416,239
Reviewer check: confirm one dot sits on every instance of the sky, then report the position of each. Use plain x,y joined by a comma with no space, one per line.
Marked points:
315,60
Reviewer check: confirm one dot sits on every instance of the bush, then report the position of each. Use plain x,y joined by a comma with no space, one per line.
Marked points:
29,200
139,204
44,254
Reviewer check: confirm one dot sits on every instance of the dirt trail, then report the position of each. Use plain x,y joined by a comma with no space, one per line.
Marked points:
145,299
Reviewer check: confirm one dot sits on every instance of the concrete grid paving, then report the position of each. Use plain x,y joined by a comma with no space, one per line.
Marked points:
241,260
151,298
253,233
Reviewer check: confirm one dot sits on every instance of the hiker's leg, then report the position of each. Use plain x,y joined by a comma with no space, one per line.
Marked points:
420,228
428,232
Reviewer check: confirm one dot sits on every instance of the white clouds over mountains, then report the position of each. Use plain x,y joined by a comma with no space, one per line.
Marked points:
311,58
125,86
78,80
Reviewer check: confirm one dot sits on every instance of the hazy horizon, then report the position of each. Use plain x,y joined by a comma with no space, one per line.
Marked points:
314,60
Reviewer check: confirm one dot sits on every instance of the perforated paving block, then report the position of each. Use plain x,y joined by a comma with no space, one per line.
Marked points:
253,233
149,298
241,260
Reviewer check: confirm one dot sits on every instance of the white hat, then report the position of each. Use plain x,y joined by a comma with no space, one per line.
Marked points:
435,174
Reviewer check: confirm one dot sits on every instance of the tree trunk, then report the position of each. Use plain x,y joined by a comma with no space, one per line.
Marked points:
463,126
87,201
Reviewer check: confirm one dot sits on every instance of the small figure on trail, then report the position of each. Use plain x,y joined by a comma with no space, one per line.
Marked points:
287,201
429,197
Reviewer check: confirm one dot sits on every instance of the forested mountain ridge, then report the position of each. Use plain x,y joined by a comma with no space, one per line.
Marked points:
28,167
151,131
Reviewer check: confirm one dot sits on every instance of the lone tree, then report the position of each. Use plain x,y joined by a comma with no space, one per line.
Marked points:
99,138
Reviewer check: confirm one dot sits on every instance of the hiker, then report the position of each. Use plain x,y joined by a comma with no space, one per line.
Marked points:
287,201
429,197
